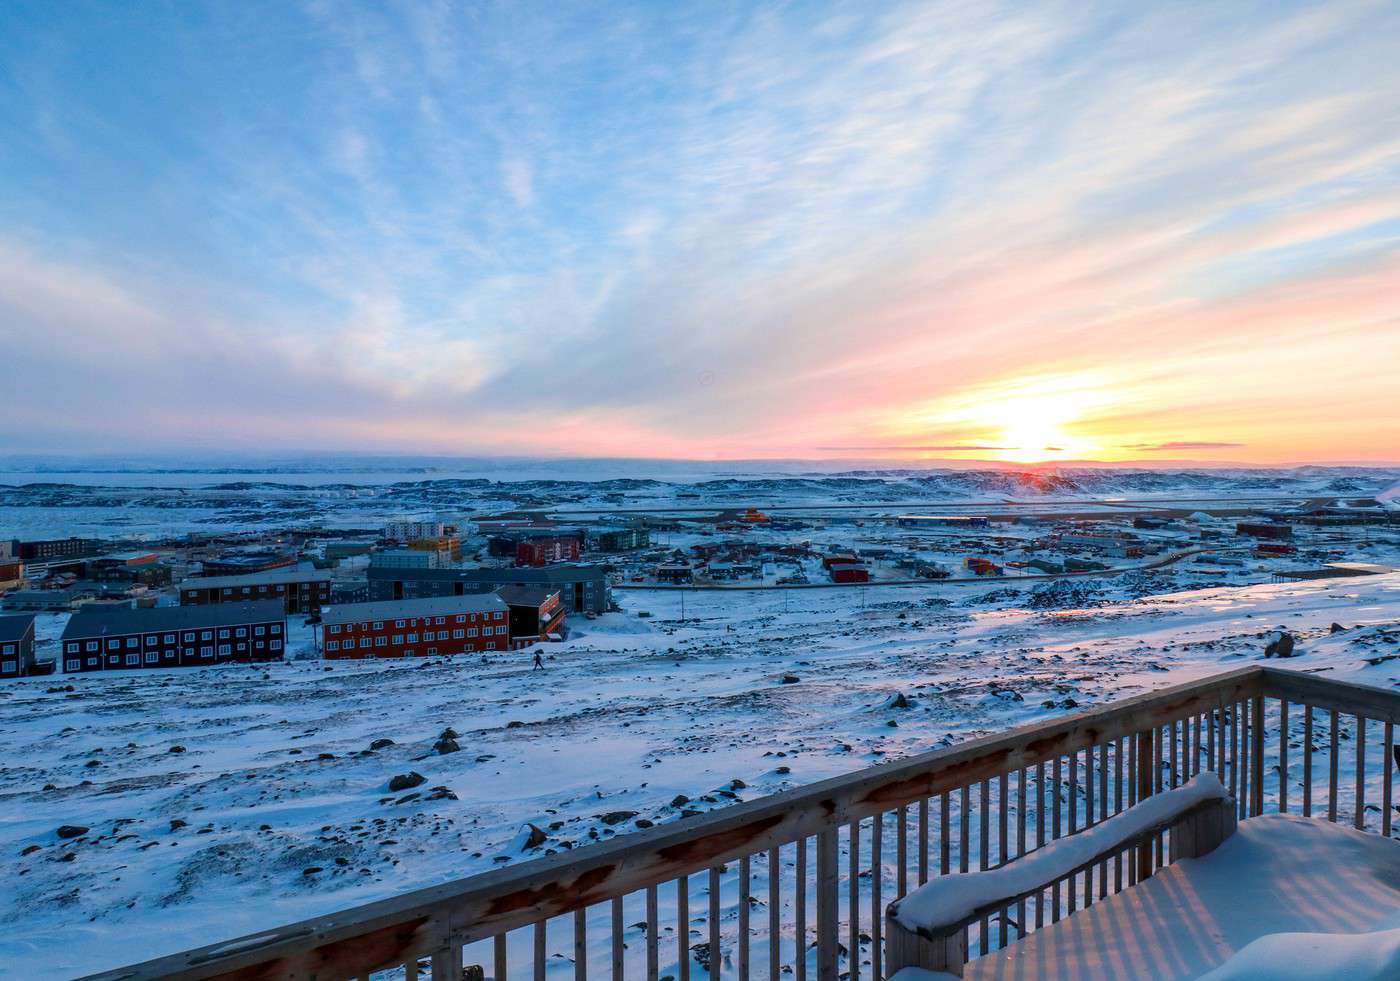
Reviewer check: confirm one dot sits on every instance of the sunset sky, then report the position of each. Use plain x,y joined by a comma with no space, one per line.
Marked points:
1030,231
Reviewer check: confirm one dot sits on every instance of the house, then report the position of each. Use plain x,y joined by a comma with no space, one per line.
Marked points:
582,588
247,563
54,600
1255,529
11,574
542,550
408,531
299,591
16,646
130,568
535,612
840,558
105,637
623,539
406,558
677,573
433,625
849,572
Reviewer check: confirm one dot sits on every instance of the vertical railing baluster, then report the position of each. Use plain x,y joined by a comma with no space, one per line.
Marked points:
1073,759
1055,770
1387,768
580,945
682,927
983,847
1307,759
618,963
1040,835
775,909
653,934
1283,755
743,939
964,834
541,928
901,845
1146,769
499,968
1022,799
877,832
1103,812
923,838
713,895
1333,766
828,916
1360,772
853,901
945,834
1118,809
799,912
1256,756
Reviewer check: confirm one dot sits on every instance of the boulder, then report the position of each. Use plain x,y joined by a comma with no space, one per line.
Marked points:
72,831
612,817
379,744
406,781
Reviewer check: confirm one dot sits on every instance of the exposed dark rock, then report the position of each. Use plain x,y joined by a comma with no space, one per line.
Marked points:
72,831
381,743
617,817
446,745
404,781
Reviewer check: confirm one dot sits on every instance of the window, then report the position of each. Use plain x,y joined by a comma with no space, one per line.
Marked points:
72,648
500,630
243,632
152,640
335,629
225,650
378,642
276,628
113,645
398,639
206,635
332,645
189,638
441,621
206,652
74,665
379,625
152,657
413,638
432,650
170,638
458,634
366,641
92,645
133,642
8,666
471,631
133,659
398,623
276,645
461,618
92,662
247,590
259,631
223,634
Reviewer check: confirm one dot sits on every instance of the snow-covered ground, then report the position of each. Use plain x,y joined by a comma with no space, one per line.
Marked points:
211,795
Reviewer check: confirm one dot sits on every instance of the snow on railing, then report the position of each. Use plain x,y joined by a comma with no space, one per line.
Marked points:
795,885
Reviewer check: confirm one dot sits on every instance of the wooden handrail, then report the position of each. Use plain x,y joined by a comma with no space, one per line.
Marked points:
397,930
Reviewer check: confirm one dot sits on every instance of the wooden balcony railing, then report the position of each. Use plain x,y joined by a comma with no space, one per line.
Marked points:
795,885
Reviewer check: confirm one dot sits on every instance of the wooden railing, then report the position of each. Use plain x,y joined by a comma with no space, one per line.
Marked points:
794,885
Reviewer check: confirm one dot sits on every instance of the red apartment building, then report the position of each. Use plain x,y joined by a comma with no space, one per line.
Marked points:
416,627
544,551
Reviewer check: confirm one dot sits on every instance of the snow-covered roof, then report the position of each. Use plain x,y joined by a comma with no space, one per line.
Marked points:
430,606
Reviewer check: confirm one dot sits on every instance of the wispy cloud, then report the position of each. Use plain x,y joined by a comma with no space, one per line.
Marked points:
757,230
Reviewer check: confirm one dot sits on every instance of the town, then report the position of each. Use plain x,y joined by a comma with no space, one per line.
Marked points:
467,584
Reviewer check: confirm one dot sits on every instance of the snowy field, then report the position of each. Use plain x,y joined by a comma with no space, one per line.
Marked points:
223,801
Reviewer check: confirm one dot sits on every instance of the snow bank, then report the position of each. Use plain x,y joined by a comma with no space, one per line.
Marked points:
951,898
1315,957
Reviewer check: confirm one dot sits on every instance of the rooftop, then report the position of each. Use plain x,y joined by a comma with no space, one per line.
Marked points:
15,627
431,606
124,620
256,579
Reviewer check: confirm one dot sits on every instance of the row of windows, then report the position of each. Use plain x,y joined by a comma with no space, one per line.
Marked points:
155,640
428,635
413,622
153,657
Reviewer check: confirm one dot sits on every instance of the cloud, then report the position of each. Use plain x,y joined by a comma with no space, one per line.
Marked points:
1186,446
740,232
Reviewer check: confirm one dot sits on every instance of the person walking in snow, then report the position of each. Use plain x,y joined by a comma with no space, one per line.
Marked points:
539,662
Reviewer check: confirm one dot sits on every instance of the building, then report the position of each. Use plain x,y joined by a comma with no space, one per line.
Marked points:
130,568
582,588
54,600
840,558
108,638
406,558
49,550
623,539
335,551
408,531
247,564
535,612
11,574
16,646
1262,530
676,573
849,572
543,550
464,624
299,591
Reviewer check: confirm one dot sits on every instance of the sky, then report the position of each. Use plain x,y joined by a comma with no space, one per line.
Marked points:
1021,231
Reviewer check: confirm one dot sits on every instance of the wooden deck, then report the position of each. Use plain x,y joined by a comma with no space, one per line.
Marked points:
787,886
